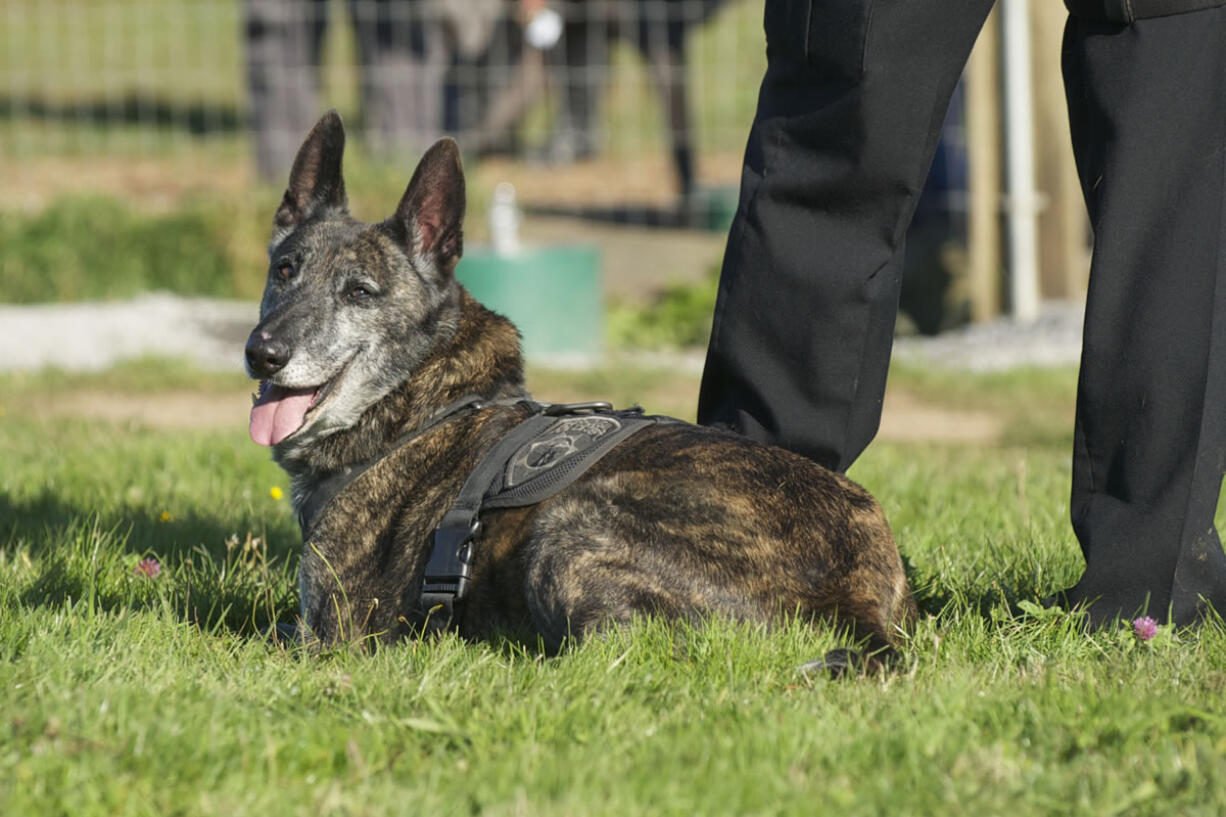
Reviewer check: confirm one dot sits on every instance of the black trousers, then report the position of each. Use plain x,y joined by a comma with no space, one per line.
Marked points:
847,122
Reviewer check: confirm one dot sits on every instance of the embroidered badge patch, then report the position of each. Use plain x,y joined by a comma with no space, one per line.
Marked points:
568,437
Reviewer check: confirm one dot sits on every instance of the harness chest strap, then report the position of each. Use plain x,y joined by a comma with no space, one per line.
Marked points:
321,496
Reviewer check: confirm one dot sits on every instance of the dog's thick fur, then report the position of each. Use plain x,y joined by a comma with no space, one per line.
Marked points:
677,520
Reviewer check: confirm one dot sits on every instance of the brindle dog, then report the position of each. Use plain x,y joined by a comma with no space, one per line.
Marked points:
365,334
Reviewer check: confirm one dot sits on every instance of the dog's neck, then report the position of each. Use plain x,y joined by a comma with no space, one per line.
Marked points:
481,356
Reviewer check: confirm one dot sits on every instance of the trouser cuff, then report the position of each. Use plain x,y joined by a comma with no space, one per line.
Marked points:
1126,11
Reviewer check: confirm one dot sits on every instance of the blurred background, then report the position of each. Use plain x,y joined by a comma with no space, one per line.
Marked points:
144,145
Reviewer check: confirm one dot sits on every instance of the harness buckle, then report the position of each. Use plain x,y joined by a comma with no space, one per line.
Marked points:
449,568
557,409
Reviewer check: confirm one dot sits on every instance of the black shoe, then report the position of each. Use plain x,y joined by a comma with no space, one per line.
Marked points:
1103,612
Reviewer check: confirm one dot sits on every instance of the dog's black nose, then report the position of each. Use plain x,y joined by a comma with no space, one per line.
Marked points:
265,356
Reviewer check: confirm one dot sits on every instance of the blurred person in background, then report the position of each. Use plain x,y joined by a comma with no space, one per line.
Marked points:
848,117
405,49
658,29
432,66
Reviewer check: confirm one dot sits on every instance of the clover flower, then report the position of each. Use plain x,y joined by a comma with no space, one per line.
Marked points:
148,567
1144,627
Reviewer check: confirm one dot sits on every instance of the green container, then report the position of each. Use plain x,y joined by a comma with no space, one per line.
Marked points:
712,208
553,294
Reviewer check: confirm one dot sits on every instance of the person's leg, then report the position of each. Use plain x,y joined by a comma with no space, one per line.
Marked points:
282,39
581,76
848,118
405,55
1147,105
660,35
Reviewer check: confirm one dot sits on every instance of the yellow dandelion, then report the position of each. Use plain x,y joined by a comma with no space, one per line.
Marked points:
275,492
165,516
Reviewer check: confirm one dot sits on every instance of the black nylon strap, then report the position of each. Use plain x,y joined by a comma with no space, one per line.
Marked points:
1126,11
449,564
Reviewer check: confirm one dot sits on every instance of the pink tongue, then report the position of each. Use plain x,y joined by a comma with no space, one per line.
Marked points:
278,413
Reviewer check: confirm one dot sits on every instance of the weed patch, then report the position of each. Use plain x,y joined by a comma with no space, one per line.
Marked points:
96,248
678,317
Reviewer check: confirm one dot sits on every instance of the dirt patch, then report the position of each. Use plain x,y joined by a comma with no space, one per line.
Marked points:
165,410
644,179
636,262
904,419
163,181
154,183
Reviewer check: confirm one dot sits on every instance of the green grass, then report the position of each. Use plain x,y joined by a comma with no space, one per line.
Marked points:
679,316
151,696
82,249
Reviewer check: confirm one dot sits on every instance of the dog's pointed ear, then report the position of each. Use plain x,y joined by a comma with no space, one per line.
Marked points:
429,221
315,182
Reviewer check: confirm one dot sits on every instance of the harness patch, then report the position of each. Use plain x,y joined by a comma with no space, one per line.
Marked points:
567,437
557,455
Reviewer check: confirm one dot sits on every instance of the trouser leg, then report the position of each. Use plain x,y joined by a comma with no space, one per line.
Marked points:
581,76
282,39
1147,105
848,118
659,34
405,54
662,44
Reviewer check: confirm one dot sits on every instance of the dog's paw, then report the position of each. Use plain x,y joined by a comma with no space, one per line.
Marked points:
836,663
843,663
283,634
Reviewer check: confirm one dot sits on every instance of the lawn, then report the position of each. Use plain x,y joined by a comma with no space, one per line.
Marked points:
133,694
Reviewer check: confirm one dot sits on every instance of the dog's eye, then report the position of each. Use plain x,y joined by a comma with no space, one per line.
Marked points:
285,270
358,291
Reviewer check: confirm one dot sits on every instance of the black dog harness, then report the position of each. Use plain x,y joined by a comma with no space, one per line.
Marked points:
547,451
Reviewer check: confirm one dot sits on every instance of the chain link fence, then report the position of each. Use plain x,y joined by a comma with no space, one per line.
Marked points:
636,86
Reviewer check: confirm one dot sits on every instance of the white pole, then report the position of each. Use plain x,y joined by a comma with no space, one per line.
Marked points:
1022,204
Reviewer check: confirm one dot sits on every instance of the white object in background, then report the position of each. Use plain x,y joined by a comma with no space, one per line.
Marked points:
1023,201
504,220
544,29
